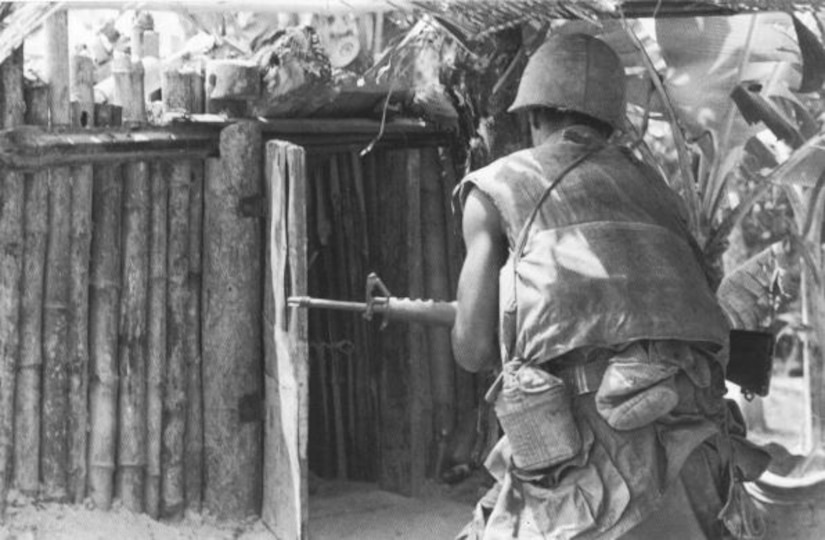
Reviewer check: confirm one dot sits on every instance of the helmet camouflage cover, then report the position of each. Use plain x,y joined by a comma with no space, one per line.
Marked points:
574,72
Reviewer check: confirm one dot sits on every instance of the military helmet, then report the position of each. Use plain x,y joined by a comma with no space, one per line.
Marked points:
574,72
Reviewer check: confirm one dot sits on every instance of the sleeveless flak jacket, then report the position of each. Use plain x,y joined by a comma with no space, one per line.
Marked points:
608,261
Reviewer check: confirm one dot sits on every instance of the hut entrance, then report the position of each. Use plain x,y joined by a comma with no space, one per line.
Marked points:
356,401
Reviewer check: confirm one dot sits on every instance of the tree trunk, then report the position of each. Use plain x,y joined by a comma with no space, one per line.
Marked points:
232,364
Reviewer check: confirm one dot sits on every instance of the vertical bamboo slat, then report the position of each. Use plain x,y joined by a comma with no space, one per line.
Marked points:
104,311
232,339
178,94
55,409
81,237
157,336
193,436
437,287
11,266
27,396
174,396
420,392
132,355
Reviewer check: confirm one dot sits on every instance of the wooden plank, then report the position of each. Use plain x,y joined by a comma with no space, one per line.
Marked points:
81,238
285,495
11,268
232,340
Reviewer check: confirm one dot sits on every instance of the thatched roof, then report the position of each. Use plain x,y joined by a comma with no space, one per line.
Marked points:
478,18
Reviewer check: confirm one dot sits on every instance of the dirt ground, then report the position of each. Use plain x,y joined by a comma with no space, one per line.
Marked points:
337,510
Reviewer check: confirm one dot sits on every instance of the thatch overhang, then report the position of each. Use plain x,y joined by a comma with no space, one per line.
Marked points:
479,18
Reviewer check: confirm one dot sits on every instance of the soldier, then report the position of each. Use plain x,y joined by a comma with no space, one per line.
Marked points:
583,279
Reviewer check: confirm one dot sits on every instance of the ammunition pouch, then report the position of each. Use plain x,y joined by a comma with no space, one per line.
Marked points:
535,412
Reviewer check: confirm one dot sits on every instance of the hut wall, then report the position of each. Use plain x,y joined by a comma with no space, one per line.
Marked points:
370,413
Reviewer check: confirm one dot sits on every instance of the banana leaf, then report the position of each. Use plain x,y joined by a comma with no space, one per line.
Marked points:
813,58
745,293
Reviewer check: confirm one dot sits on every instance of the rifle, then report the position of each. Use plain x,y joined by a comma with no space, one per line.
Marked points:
390,307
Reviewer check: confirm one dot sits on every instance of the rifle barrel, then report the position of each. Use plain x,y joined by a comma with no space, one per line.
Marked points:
322,303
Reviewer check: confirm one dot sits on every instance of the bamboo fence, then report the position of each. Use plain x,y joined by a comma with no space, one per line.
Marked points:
138,317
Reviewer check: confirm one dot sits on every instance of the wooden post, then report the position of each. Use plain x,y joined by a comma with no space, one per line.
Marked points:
437,287
157,336
406,410
11,267
27,396
132,355
104,302
177,92
232,355
287,415
81,238
57,290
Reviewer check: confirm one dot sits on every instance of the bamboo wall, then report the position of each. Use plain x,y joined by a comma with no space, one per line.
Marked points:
139,338
383,401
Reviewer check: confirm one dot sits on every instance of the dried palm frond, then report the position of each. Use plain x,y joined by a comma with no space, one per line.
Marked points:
18,20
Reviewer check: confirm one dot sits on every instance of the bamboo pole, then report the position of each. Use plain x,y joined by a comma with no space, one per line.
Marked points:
174,396
183,315
421,397
193,387
178,94
132,347
337,271
11,267
232,339
27,395
193,436
104,302
57,290
81,236
437,287
157,335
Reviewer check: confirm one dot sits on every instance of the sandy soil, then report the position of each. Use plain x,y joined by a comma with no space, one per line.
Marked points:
30,520
337,511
